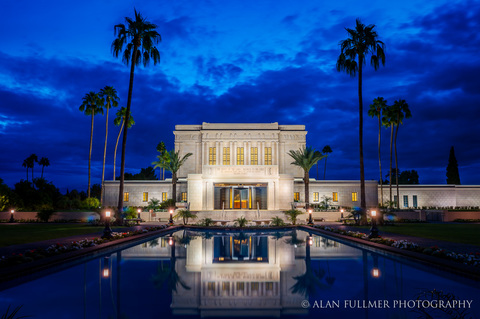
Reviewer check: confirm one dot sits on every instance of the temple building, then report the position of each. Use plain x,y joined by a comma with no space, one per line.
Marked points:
246,168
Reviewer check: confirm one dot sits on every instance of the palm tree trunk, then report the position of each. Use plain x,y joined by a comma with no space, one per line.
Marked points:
90,157
116,145
43,166
27,173
306,180
363,204
124,142
391,158
380,157
174,189
33,164
396,163
325,169
104,156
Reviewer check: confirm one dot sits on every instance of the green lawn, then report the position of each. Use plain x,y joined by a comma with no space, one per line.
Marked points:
457,233
27,233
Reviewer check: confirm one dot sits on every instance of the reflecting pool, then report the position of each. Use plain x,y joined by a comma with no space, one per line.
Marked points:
291,274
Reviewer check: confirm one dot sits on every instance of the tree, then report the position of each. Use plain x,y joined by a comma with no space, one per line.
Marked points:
139,38
401,111
31,162
408,177
162,149
376,109
92,105
109,95
362,41
453,177
173,165
44,162
388,121
305,158
26,165
120,120
326,150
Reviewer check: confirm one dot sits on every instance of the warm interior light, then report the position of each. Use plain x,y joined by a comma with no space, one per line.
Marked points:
310,241
259,258
221,258
375,272
106,272
373,213
12,211
107,214
170,241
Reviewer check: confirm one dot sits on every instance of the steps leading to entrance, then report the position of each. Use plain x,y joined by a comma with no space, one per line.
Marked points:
234,214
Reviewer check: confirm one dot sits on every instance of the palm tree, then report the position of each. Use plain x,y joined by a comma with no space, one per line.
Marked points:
31,162
376,109
326,150
26,165
361,42
44,162
388,121
92,104
161,148
109,95
120,120
306,158
139,37
173,165
402,111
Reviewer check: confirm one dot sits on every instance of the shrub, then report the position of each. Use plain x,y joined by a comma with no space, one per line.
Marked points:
45,211
154,204
185,214
92,203
292,215
241,222
206,222
131,212
277,221
167,204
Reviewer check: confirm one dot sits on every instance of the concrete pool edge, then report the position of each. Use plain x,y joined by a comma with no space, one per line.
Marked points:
457,268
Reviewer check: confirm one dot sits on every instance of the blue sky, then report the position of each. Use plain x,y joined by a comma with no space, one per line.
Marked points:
239,61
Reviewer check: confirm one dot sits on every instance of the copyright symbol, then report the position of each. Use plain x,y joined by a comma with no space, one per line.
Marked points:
305,304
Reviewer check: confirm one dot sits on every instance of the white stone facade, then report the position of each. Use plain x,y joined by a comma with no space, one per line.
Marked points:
246,167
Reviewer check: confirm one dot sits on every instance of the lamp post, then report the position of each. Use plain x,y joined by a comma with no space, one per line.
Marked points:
139,211
11,216
170,220
374,229
341,212
107,231
309,240
310,219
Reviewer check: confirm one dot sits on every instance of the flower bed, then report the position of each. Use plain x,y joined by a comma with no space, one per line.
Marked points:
467,259
56,249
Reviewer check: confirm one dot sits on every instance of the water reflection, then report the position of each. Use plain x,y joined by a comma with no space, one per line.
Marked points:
204,274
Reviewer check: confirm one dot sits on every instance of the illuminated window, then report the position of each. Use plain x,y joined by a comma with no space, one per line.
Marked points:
226,156
164,196
254,156
296,196
240,157
145,196
240,286
212,156
405,201
126,196
354,197
184,196
268,156
254,286
335,197
226,286
315,197
211,286
269,286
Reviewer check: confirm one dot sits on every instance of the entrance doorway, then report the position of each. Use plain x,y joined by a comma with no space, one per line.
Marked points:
240,196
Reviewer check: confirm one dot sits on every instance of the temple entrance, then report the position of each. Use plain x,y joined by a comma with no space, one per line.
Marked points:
240,196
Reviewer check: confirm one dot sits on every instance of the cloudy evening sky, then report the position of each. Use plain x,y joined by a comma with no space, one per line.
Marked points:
239,61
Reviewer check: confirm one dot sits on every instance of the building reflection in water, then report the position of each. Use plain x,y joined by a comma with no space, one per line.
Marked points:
253,274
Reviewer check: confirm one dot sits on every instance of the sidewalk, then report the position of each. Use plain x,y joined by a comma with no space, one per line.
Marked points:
5,251
421,241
